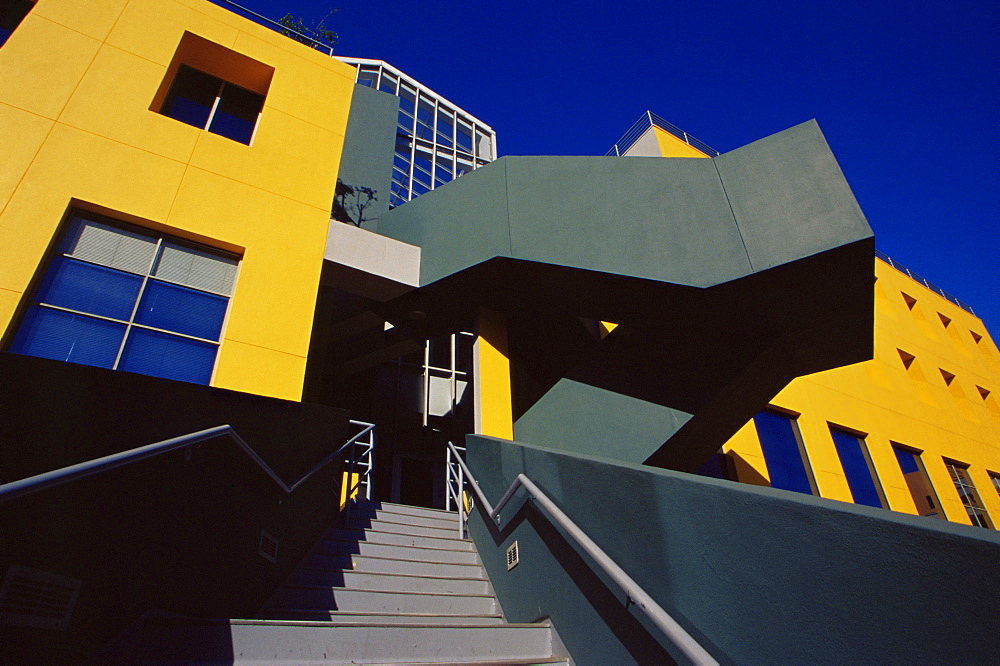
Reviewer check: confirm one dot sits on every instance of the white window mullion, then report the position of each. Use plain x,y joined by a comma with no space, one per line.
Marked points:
215,105
138,299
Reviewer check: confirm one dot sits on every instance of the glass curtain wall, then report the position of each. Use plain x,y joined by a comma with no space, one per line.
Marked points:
436,142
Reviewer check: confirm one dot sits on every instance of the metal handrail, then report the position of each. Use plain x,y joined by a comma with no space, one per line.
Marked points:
278,27
668,625
925,282
650,119
58,477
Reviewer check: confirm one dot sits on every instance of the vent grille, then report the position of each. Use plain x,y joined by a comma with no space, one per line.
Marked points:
268,548
33,598
512,556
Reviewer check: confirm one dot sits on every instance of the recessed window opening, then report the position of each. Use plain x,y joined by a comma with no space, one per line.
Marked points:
983,393
120,297
12,12
784,452
976,337
209,103
917,481
906,358
967,493
945,321
909,300
947,376
995,480
858,468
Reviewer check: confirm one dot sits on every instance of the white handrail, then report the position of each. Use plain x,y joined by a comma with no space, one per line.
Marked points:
670,628
32,484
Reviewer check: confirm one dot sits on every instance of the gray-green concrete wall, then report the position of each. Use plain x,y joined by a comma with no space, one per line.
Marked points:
756,574
686,221
366,160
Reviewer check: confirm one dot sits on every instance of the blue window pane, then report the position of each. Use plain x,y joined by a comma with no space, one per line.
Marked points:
4,34
782,456
88,288
859,476
191,97
907,461
236,116
168,356
183,310
68,337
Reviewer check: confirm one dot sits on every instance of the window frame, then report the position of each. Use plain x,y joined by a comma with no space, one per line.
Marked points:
161,240
861,440
181,77
793,419
979,516
922,469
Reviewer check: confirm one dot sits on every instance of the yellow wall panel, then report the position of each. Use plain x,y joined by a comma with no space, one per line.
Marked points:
243,367
914,407
9,301
494,407
18,147
78,165
41,64
281,140
152,29
671,146
94,19
308,84
276,289
103,105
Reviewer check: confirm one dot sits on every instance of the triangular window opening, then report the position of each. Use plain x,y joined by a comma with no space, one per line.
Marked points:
945,321
906,358
910,301
948,377
983,393
976,337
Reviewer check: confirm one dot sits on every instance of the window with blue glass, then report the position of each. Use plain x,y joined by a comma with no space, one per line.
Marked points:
784,453
12,12
209,103
917,482
858,468
119,297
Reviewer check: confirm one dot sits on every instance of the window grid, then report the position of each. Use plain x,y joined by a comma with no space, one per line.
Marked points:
431,132
238,121
149,277
967,493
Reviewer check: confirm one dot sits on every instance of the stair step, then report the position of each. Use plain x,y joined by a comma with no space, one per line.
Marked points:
381,581
380,601
412,553
406,509
398,539
382,619
393,565
442,532
445,521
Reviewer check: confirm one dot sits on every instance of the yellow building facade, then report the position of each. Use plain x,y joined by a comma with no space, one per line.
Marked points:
88,132
929,393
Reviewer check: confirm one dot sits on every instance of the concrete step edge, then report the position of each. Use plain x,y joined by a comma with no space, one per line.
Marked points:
383,573
304,586
389,506
450,529
396,559
391,545
366,530
334,613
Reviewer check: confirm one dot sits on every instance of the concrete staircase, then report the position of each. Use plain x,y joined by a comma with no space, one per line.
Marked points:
395,585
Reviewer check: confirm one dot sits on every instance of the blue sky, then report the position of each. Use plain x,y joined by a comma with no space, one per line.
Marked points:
907,93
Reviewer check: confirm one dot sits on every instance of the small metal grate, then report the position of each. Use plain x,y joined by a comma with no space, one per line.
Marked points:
33,598
268,548
512,556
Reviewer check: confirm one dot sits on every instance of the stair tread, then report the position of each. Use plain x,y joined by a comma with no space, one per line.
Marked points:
383,573
383,613
451,529
383,505
399,559
306,586
394,545
366,529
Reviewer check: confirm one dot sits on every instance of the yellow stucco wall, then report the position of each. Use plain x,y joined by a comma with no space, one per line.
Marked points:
77,83
888,402
494,406
671,146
